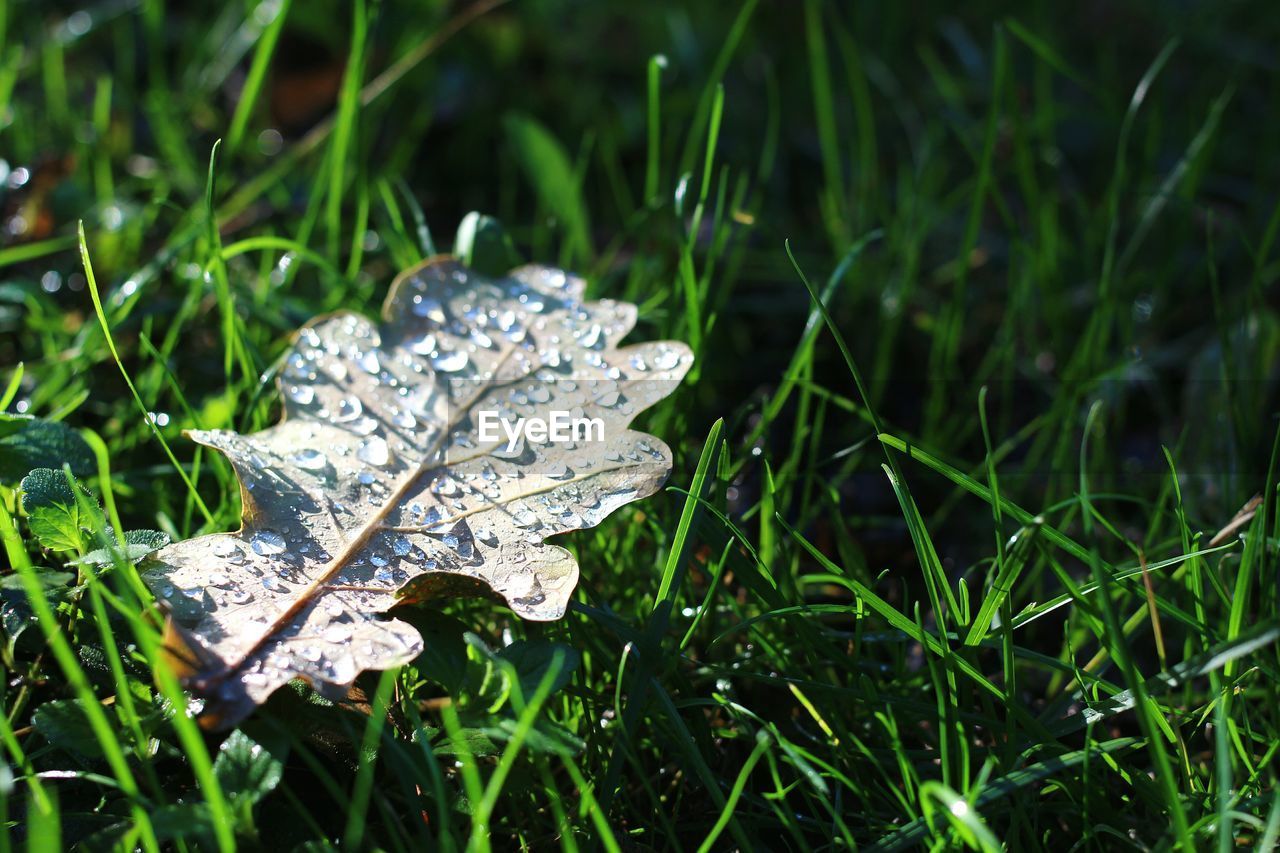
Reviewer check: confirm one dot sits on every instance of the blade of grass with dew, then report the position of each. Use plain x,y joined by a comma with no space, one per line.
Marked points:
1114,638
1180,673
11,390
282,244
425,242
913,833
62,652
763,742
188,737
115,354
527,716
907,626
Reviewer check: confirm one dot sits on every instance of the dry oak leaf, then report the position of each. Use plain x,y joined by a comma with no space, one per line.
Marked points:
375,486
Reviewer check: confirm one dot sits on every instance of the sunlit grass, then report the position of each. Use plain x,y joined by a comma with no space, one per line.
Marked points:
986,339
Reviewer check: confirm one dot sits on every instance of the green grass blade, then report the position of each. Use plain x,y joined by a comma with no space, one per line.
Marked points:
254,80
115,354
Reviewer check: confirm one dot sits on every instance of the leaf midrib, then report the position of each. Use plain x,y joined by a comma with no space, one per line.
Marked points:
355,544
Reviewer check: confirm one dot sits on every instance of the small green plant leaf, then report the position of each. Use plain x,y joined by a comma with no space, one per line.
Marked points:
27,443
545,737
487,739
137,545
464,741
533,658
191,821
58,519
444,651
245,768
64,724
16,614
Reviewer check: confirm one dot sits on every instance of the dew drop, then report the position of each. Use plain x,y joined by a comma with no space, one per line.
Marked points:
309,459
524,517
374,451
337,634
348,410
301,394
226,549
666,359
426,306
591,337
364,426
501,451
266,543
424,345
449,362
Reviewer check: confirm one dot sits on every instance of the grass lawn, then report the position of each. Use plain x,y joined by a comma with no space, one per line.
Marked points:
970,540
